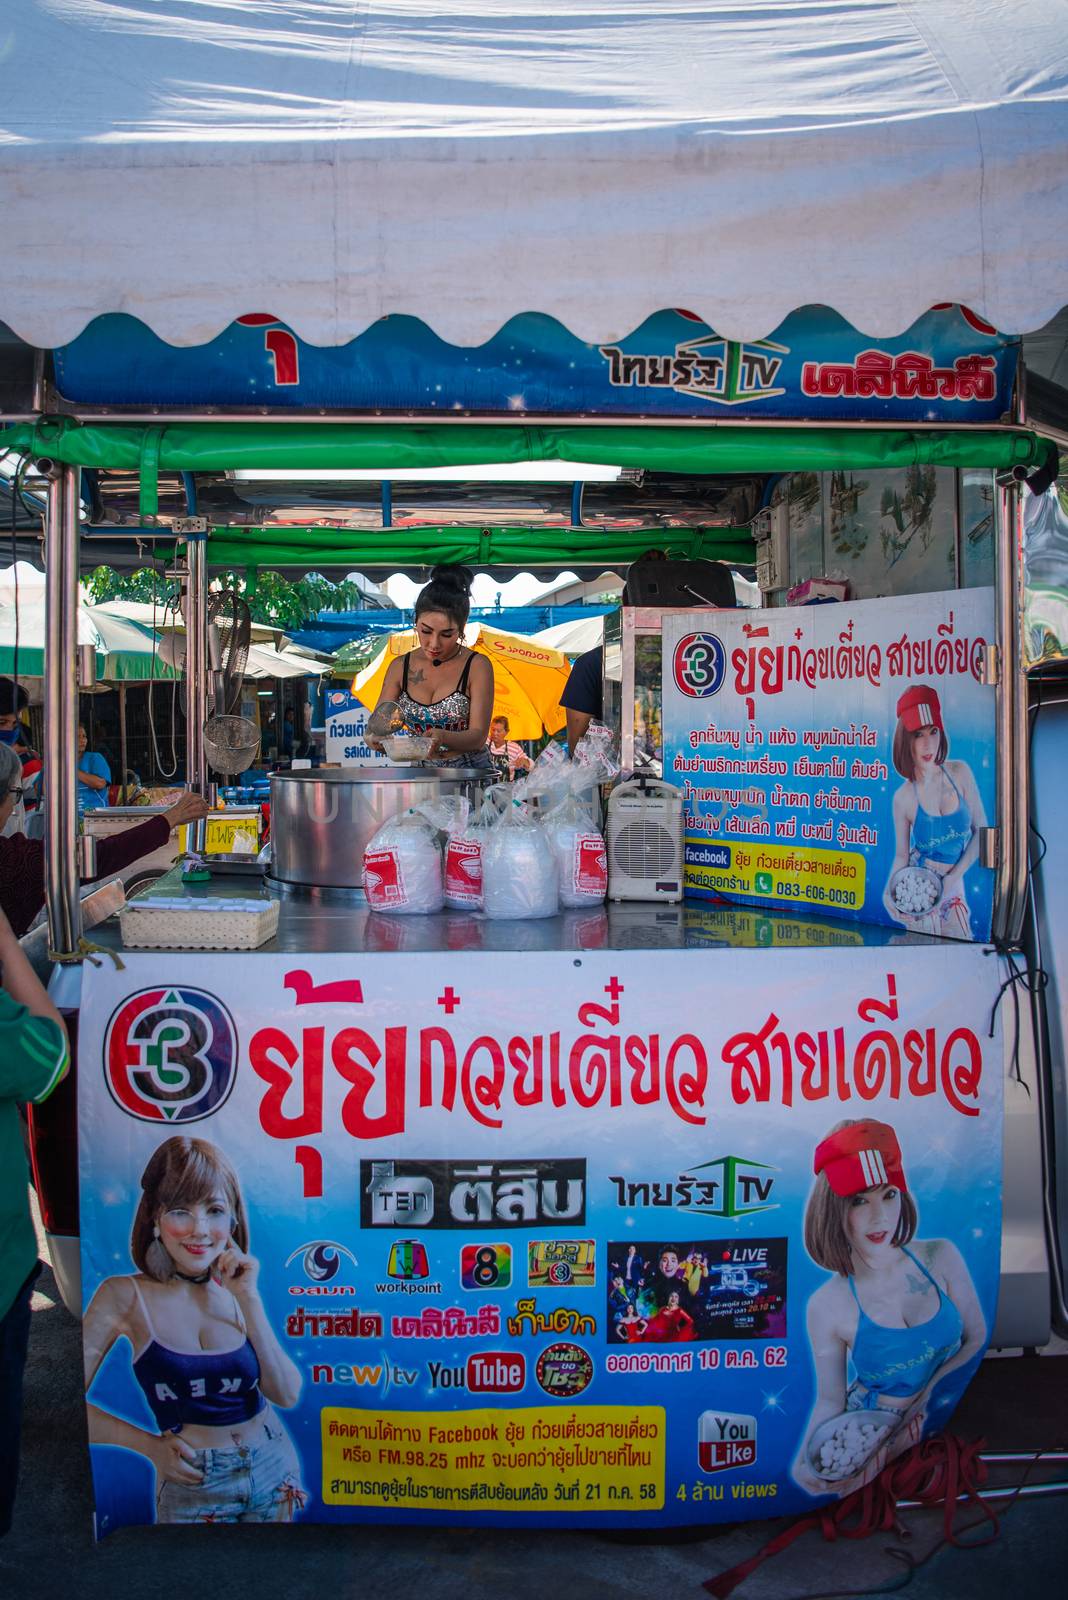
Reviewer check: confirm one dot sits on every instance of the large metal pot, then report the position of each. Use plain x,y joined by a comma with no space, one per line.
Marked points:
321,822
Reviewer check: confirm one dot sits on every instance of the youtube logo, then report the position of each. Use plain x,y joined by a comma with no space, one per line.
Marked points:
496,1372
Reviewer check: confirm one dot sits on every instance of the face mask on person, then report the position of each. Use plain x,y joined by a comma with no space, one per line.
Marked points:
9,735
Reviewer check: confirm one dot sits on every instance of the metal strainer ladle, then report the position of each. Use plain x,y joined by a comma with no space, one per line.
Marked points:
381,723
230,743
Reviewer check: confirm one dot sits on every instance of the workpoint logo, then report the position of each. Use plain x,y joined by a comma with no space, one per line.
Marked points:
698,665
170,1055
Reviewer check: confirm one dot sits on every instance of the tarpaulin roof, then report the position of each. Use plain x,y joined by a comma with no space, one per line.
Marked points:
333,161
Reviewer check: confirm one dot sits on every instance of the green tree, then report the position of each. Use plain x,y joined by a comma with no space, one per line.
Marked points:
275,600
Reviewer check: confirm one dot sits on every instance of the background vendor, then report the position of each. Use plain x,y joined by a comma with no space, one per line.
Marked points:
507,755
13,702
94,775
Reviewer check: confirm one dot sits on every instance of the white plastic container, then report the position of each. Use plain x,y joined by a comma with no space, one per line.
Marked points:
402,867
519,874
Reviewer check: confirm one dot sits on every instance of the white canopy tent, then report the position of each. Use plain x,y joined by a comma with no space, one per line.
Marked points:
330,162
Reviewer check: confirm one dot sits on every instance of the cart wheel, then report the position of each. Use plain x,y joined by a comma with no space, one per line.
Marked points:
140,880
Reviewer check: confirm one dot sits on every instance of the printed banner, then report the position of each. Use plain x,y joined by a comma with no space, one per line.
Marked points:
949,366
345,719
838,757
354,1249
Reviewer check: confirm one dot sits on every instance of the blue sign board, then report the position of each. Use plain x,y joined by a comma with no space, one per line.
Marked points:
949,367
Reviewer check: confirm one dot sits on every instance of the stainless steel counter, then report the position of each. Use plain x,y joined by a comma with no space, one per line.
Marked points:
319,925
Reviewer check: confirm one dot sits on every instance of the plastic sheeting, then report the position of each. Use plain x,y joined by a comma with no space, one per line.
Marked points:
657,447
330,162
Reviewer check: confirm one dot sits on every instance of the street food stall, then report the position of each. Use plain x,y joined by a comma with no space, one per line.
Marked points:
640,1213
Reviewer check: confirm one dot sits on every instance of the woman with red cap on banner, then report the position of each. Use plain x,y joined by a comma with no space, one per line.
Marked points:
898,1315
937,814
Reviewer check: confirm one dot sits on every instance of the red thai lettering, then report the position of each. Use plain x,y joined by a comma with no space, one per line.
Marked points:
275,1057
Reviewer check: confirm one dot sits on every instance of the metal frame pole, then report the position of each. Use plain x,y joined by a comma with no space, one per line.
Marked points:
196,677
1010,719
61,711
1021,785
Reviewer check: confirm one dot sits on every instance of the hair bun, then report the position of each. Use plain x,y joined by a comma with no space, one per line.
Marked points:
453,576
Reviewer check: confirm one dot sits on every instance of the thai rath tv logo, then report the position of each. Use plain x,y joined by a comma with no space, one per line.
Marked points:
170,1055
698,665
709,367
726,1439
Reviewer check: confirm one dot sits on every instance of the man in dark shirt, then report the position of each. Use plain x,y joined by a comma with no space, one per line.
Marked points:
583,698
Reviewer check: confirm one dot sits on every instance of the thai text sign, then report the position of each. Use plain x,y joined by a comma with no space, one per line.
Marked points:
948,366
838,757
346,730
372,1246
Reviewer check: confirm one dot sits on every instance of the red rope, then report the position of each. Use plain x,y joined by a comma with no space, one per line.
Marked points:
933,1473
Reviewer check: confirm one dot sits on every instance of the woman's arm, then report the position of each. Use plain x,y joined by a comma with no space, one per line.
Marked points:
106,1321
20,980
92,780
473,737
902,827
944,1260
577,723
829,1360
280,1378
391,685
972,799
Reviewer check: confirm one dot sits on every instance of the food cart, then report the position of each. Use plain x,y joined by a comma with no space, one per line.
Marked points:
465,1148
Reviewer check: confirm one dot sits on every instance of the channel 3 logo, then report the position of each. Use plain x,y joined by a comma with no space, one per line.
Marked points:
698,665
170,1055
486,1266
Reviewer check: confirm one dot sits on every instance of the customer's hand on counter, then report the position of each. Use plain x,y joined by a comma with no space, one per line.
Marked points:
190,808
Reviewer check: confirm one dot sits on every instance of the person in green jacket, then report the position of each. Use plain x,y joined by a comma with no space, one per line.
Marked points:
34,1057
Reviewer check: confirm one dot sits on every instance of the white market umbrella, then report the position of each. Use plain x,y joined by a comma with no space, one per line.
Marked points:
164,620
126,652
573,638
23,580
265,662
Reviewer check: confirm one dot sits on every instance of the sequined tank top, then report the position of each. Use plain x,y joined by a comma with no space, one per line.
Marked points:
452,714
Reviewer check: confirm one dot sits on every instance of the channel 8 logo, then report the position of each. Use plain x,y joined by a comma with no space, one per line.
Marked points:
170,1055
698,665
486,1266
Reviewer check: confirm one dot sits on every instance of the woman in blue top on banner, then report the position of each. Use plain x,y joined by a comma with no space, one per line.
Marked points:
898,1315
204,1355
937,815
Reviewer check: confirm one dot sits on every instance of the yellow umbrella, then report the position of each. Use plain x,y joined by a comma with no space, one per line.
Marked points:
528,678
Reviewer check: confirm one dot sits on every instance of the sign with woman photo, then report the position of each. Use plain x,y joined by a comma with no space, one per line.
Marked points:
359,1245
838,758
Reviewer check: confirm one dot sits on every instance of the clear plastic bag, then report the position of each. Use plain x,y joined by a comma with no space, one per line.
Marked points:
463,852
519,877
579,848
402,866
546,777
578,844
594,761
